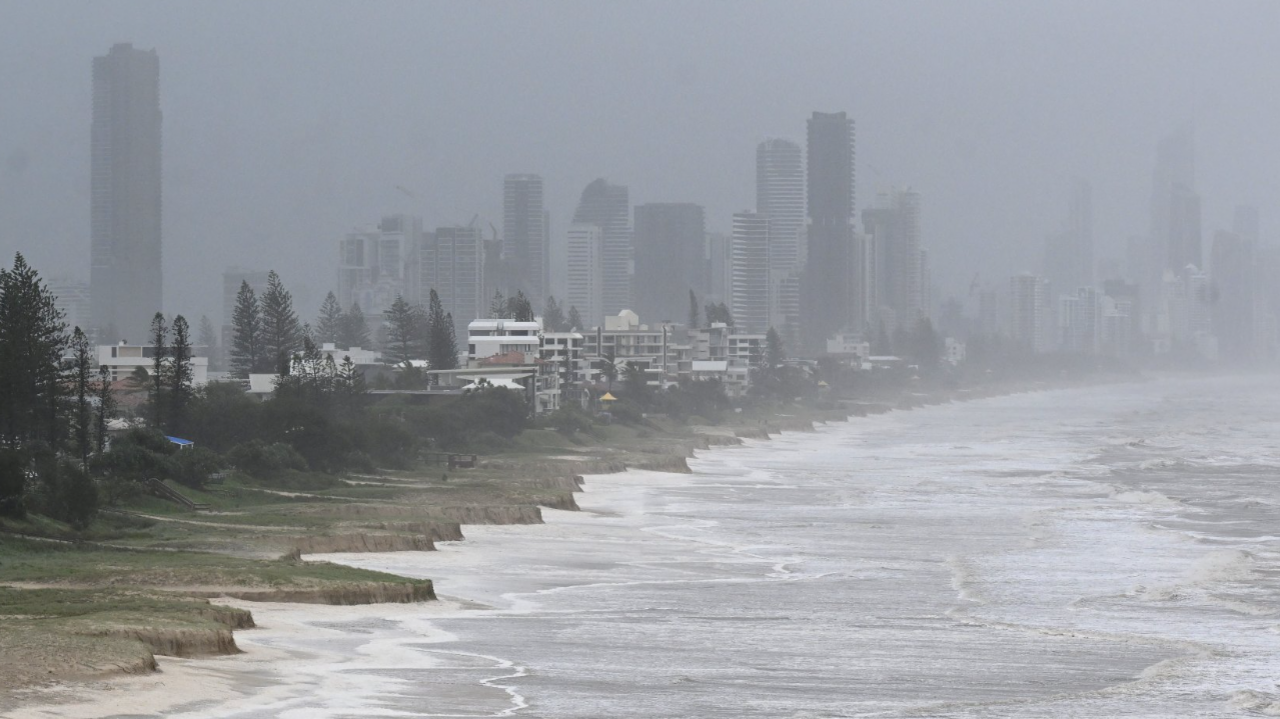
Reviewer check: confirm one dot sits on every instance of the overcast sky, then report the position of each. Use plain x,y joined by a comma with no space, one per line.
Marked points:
288,123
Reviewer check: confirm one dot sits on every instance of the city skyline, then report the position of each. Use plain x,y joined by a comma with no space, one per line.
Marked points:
925,125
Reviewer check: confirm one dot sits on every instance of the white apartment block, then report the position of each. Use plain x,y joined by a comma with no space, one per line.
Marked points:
751,298
1030,313
122,359
585,274
489,338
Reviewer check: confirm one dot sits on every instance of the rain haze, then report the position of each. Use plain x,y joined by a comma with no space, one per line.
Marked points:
287,124
579,359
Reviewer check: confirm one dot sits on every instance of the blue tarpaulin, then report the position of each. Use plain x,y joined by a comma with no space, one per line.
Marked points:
183,443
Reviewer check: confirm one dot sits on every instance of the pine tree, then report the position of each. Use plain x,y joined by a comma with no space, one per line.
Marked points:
106,408
449,353
497,306
82,388
246,340
329,323
354,330
710,313
402,331
883,345
693,311
443,344
519,308
575,320
774,352
209,341
180,375
281,331
350,386
725,315
33,338
160,349
312,377
552,316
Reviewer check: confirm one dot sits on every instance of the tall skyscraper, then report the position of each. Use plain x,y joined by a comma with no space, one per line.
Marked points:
670,240
585,273
750,292
1068,259
780,195
609,207
1175,214
1030,314
1183,247
1160,260
74,301
719,267
1233,291
452,263
525,241
124,188
893,234
829,272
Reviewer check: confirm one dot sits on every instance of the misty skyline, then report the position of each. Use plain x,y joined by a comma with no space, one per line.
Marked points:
289,124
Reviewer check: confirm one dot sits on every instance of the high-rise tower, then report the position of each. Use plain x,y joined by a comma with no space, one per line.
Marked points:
609,207
670,241
780,195
829,271
1068,260
749,255
124,190
525,244
897,273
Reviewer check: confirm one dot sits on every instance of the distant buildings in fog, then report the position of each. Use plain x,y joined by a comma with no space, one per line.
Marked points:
608,207
829,296
669,258
526,238
1168,300
797,263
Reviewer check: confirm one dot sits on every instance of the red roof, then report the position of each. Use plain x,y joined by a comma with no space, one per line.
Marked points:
507,358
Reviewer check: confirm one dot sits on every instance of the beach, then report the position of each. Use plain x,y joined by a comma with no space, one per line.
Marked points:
1093,552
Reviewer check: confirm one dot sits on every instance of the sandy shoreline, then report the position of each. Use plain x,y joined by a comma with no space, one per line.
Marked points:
281,659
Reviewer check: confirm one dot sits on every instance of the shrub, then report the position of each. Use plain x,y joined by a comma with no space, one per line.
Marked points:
569,420
13,483
261,460
135,456
360,462
192,467
64,492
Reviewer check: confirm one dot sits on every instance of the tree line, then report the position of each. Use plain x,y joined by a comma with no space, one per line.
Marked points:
55,402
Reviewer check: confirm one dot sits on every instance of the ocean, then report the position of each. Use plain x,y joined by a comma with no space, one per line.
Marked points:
1099,552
